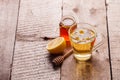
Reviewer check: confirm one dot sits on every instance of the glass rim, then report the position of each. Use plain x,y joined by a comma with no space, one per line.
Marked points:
93,29
68,17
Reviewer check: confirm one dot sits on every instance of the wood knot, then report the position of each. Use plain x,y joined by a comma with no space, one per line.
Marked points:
95,25
75,10
107,4
93,11
107,59
61,7
118,60
97,51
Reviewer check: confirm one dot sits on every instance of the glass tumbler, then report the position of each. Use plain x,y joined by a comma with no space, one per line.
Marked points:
82,38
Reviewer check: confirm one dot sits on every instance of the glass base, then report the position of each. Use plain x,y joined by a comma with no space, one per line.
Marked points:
83,57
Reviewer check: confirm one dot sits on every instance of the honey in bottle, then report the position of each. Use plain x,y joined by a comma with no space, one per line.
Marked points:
65,24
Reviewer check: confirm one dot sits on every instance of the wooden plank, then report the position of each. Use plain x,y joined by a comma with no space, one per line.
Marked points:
113,9
98,68
8,22
37,19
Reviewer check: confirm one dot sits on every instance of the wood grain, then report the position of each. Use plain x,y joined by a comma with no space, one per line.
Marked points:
98,68
37,19
113,8
8,22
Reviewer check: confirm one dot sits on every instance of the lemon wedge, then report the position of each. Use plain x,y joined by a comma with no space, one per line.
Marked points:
56,46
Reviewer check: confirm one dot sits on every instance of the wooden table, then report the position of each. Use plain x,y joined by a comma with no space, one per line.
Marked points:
24,24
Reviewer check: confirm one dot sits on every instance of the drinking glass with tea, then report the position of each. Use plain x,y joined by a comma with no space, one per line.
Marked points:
65,24
82,38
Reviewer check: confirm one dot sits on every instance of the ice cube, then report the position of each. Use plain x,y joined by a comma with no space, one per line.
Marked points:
74,35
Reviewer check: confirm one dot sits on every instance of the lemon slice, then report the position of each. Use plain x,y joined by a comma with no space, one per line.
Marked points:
56,45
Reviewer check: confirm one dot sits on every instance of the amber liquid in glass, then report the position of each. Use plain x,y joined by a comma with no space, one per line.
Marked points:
65,24
82,41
